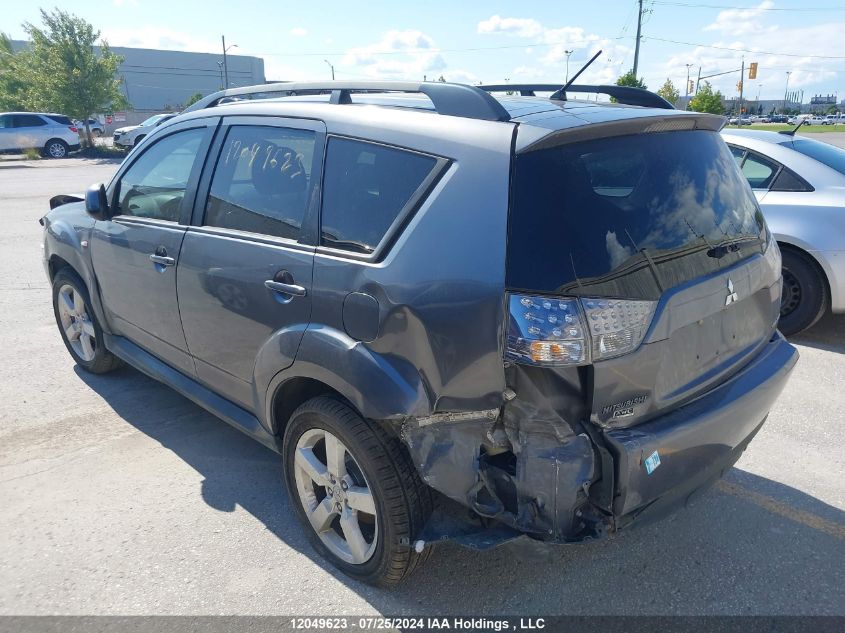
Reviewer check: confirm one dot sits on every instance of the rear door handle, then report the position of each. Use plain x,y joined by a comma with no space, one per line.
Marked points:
161,259
283,288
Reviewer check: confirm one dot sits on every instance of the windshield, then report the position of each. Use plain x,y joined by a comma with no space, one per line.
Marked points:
629,216
152,120
830,155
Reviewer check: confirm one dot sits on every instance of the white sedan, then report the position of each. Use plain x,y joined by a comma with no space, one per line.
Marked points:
800,185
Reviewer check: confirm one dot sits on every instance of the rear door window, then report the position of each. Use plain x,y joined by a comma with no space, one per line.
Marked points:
366,189
28,120
262,181
628,216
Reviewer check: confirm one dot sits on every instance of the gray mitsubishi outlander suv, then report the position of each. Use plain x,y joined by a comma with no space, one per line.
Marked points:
454,315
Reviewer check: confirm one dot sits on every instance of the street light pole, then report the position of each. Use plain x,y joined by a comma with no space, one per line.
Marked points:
225,64
330,66
686,89
567,53
788,73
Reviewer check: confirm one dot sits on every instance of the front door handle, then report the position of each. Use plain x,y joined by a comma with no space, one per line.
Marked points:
283,288
163,260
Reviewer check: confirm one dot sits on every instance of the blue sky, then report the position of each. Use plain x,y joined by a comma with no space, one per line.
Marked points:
491,41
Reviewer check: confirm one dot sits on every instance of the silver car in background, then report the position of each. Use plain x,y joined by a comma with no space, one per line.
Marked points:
800,185
54,135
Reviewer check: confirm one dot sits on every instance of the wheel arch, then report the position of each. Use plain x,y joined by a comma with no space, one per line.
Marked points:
821,265
294,392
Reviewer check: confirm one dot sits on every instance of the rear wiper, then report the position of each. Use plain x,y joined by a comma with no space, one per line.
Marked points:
731,246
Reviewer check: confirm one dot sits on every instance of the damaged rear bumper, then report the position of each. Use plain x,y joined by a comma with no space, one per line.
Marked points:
569,482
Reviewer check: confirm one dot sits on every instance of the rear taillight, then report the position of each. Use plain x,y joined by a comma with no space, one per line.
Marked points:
574,331
74,129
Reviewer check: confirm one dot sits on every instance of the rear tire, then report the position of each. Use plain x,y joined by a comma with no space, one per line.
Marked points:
78,326
56,148
374,462
805,296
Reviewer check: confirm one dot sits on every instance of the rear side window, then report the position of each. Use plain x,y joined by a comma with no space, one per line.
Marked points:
788,180
28,120
758,171
61,120
628,216
261,181
366,188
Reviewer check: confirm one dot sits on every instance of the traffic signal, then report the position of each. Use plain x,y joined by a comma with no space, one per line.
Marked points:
690,86
739,86
752,70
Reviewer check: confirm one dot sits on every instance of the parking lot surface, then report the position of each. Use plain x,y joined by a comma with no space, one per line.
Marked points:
119,496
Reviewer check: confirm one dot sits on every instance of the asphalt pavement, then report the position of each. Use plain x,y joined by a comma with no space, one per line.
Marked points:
119,496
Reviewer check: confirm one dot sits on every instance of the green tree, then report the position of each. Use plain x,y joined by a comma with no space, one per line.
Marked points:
705,100
193,99
669,92
630,79
11,82
66,74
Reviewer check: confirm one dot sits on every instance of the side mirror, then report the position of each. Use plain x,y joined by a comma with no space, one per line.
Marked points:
96,202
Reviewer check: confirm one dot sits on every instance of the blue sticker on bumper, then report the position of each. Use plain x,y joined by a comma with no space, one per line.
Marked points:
652,462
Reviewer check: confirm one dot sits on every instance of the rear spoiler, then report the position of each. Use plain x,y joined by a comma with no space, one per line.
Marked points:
623,94
676,122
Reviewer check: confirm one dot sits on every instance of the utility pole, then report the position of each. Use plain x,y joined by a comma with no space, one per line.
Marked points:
225,63
567,53
741,86
786,90
698,81
686,89
639,35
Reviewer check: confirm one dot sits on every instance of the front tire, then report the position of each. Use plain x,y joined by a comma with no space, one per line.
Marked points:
804,298
56,148
355,492
78,326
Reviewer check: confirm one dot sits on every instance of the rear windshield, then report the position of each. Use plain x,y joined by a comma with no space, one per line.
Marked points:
629,216
830,155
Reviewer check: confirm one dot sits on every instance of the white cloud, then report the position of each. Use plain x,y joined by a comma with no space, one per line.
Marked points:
298,31
741,21
552,45
407,54
125,3
159,37
520,27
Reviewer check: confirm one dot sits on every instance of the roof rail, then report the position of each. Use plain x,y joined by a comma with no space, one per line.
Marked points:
623,94
448,98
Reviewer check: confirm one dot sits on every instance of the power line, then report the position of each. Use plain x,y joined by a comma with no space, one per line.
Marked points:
742,50
410,51
721,6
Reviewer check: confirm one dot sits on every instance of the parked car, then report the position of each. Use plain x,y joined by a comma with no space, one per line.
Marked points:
553,317
778,118
97,128
800,185
54,135
131,135
818,120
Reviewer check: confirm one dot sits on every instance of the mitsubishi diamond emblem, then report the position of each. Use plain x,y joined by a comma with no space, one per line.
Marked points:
732,296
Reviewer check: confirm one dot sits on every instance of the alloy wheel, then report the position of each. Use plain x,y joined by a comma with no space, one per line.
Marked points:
56,150
77,325
336,497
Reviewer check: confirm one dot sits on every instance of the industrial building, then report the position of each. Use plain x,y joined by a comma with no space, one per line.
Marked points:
159,81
